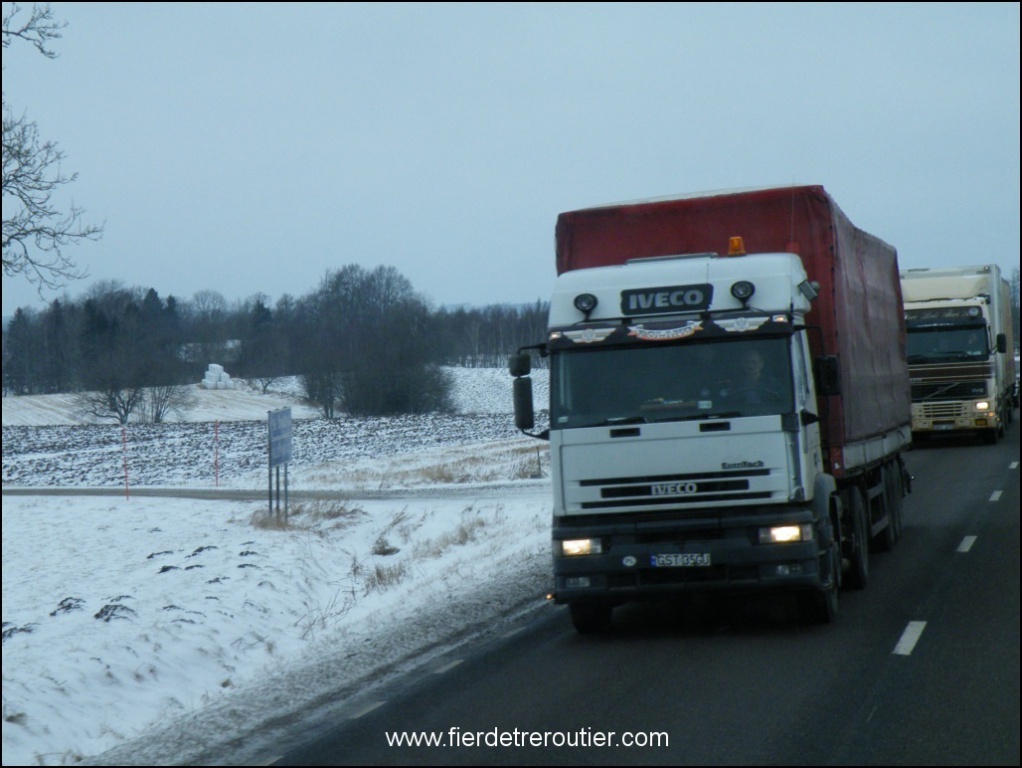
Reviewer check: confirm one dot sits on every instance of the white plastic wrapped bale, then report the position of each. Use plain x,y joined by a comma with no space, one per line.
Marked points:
216,378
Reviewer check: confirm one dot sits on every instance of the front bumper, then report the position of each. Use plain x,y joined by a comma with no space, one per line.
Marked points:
626,569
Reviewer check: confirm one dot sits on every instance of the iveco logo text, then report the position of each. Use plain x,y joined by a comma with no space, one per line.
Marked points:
666,299
742,465
674,489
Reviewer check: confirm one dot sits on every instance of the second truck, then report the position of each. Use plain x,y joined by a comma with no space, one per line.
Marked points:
721,422
960,351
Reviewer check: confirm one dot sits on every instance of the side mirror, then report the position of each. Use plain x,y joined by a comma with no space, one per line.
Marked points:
808,417
828,375
520,365
524,414
1002,343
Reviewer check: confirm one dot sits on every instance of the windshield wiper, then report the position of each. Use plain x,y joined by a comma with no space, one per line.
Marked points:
615,420
703,416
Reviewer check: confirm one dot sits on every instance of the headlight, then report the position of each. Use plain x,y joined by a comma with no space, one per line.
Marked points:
982,405
585,303
574,547
783,534
743,290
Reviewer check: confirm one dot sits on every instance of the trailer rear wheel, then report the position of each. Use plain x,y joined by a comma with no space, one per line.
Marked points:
591,618
858,574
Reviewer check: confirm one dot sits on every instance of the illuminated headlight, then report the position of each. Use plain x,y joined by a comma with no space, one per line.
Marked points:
982,405
574,547
784,534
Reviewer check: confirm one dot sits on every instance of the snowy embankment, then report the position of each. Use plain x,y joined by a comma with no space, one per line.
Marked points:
153,631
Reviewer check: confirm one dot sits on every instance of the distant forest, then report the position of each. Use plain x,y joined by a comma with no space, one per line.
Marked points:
364,342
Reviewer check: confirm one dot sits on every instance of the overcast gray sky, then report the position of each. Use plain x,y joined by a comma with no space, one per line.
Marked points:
250,148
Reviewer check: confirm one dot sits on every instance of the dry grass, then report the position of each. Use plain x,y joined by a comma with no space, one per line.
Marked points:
466,532
307,515
476,463
380,577
322,617
383,548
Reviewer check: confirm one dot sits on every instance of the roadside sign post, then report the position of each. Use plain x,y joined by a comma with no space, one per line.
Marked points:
279,453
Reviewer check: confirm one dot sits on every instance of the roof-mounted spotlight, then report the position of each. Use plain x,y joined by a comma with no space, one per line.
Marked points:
743,290
585,303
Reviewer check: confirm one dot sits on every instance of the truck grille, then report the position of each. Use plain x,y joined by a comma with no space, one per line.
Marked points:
676,490
938,410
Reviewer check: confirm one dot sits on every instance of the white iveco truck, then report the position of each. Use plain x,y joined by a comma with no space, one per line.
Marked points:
721,422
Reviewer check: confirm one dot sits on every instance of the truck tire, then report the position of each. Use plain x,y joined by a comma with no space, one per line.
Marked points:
591,618
889,536
897,498
858,573
821,607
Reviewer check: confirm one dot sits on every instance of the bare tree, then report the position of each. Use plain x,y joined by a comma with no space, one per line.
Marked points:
110,403
207,315
162,401
36,232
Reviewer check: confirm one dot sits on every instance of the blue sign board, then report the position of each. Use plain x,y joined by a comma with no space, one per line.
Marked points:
280,437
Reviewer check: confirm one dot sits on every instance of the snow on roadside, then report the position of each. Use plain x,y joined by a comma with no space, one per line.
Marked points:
158,630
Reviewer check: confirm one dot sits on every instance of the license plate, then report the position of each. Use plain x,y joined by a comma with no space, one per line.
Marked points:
943,426
680,561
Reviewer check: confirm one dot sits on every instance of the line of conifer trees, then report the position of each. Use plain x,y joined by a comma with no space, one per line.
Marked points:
364,341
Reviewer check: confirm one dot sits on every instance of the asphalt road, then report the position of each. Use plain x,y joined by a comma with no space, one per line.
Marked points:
922,667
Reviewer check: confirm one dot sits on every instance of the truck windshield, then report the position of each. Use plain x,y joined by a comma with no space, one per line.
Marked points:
669,382
947,343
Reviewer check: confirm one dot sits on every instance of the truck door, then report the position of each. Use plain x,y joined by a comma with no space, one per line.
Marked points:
806,403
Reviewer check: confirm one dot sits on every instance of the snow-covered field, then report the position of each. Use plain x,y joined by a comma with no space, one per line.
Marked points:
151,630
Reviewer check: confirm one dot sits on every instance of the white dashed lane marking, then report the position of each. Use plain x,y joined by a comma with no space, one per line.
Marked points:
909,638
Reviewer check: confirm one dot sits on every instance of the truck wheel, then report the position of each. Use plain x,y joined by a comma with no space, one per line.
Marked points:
889,536
897,499
821,607
858,575
591,618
